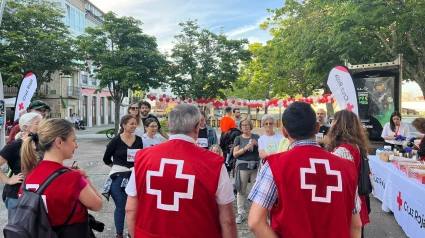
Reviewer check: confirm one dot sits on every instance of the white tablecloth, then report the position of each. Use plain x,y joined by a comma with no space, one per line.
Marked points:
404,196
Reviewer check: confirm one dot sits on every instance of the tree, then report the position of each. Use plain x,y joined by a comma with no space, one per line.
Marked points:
205,63
122,57
255,79
34,39
326,32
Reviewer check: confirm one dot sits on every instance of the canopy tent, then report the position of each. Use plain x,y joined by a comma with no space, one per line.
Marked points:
10,102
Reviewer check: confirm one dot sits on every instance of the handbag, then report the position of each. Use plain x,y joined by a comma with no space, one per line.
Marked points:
364,185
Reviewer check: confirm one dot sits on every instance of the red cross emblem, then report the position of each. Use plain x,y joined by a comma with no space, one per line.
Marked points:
169,184
321,180
399,201
21,106
350,107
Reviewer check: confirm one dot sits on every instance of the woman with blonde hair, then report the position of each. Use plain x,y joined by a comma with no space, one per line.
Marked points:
134,110
11,155
216,149
347,139
56,140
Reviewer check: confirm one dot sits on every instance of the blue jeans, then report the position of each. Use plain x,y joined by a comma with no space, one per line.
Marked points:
10,203
120,199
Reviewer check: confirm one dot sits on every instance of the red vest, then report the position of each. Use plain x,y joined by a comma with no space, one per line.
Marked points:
301,212
176,186
354,151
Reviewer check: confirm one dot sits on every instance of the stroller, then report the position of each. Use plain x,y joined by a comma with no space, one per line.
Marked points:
80,125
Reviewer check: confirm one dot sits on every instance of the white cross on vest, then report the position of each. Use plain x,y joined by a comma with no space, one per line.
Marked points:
329,174
168,187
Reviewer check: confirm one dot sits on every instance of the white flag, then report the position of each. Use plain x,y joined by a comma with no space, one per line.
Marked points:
25,93
342,87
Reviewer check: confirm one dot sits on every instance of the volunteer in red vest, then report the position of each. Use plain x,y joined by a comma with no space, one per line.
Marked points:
56,140
178,189
348,140
308,191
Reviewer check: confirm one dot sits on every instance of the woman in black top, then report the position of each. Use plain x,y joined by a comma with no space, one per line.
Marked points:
248,160
11,154
122,149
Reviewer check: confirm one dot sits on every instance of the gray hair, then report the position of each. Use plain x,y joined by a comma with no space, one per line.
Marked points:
266,117
26,120
183,119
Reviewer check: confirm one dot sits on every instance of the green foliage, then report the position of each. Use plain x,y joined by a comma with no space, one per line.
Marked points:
310,37
122,57
34,39
205,63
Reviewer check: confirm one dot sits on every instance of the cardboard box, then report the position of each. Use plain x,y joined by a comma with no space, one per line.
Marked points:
418,174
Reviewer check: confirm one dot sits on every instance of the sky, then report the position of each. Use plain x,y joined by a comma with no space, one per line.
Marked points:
238,18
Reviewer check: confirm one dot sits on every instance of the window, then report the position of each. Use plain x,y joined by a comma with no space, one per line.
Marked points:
84,79
68,15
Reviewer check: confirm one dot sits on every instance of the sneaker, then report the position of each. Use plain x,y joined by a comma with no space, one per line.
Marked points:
240,218
119,235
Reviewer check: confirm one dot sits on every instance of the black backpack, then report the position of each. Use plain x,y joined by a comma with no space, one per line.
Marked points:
228,138
365,185
28,218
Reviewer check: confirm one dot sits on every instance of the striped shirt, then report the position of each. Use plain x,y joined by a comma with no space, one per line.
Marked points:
264,191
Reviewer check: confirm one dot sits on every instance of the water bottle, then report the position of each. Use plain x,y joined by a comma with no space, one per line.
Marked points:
250,142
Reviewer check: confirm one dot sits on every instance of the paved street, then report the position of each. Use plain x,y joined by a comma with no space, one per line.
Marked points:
89,156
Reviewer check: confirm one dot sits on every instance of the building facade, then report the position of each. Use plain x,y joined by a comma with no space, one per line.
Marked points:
75,93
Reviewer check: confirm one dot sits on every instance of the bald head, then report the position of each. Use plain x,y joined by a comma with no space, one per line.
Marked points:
320,115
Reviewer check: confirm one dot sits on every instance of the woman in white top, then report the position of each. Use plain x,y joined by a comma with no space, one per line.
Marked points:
268,143
150,138
395,129
133,109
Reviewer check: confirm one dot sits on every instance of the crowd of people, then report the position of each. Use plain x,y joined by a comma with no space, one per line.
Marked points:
184,185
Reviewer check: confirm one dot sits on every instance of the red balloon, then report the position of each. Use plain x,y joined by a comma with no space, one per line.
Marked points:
189,100
233,101
239,103
161,99
167,100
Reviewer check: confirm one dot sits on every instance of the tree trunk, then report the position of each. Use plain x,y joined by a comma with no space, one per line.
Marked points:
330,110
117,113
266,109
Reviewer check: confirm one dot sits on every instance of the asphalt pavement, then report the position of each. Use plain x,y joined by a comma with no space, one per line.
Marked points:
89,156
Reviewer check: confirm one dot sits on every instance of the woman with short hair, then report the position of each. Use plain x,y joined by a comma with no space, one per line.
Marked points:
268,143
247,162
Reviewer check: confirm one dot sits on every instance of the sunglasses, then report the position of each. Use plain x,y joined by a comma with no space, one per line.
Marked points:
134,108
268,123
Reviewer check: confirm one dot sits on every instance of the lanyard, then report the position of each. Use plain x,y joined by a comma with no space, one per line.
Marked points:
396,133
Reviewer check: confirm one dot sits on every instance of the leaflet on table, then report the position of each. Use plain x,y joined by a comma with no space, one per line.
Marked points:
131,153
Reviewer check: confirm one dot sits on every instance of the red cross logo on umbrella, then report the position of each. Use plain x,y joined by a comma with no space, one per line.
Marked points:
21,106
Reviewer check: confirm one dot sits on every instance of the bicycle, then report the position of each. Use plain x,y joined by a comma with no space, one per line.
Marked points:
110,133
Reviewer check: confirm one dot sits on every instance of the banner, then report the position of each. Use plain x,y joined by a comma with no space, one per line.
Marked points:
342,87
25,93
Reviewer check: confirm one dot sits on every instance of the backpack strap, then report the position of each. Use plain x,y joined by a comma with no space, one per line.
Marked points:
72,214
50,179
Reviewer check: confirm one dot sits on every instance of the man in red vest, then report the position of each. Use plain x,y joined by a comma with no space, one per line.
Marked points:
308,191
178,189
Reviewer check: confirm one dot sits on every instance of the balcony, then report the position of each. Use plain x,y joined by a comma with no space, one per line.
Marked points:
74,92
10,91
